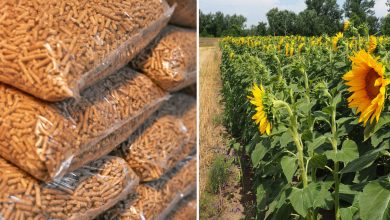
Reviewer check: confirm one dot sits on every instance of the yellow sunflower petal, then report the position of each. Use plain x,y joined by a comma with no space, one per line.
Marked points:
367,84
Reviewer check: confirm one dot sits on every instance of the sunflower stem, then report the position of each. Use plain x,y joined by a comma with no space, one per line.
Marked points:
336,165
296,138
298,142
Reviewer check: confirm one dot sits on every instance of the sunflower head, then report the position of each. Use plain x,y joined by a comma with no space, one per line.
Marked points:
372,43
300,47
231,55
291,51
287,48
367,83
336,39
346,24
259,99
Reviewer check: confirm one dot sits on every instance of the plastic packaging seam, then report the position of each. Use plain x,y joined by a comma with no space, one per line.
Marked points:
189,79
64,169
160,183
172,205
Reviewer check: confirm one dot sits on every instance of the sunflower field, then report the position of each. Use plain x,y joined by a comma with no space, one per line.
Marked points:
313,114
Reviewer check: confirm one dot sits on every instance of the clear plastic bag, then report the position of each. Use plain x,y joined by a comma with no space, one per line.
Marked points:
186,209
190,90
185,13
47,140
155,200
82,194
55,49
187,106
170,61
165,139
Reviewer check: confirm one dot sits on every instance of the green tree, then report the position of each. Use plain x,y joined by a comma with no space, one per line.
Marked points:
261,29
360,12
388,5
219,25
281,22
327,16
257,30
308,23
385,25
205,24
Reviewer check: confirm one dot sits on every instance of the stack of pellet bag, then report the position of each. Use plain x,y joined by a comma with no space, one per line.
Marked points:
68,100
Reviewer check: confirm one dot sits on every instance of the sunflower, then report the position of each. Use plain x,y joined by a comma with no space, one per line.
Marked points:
291,51
261,116
300,47
287,49
367,84
346,24
372,43
336,39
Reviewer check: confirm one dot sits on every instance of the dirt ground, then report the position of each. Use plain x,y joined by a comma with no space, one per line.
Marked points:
214,140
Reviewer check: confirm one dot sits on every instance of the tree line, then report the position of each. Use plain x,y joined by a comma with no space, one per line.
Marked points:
319,17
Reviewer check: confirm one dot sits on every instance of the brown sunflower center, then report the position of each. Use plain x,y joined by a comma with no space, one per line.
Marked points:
372,90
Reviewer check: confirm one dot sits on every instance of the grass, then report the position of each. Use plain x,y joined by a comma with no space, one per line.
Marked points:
207,206
217,120
218,174
208,42
211,139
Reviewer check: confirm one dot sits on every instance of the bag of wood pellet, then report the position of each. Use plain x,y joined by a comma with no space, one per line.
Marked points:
55,49
170,60
185,13
186,209
166,138
155,200
82,194
47,140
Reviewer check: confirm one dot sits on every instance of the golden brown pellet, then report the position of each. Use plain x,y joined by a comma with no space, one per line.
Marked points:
48,40
52,202
185,13
164,139
170,61
185,210
156,199
59,137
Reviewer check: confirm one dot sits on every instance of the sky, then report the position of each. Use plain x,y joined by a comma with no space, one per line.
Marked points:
256,10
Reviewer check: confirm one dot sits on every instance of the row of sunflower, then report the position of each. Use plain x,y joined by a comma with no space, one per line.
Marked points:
315,120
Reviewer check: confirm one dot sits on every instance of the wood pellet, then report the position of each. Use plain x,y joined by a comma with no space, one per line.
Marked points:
82,194
54,49
49,139
165,139
185,13
186,209
170,61
155,200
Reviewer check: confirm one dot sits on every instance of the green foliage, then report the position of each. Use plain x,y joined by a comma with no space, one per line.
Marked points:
281,22
218,174
337,150
320,17
207,204
385,25
360,12
374,201
219,25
